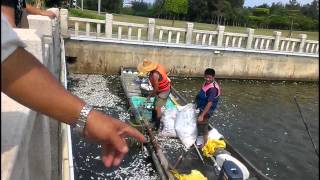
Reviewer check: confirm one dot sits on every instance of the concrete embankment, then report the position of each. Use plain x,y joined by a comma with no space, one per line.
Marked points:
107,58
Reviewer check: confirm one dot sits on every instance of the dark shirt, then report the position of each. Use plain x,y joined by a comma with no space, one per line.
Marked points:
211,94
18,6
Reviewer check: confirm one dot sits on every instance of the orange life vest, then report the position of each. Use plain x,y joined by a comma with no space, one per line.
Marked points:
164,84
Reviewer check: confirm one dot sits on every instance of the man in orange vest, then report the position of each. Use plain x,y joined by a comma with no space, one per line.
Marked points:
161,86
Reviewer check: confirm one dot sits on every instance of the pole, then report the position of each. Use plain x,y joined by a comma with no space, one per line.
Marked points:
81,5
199,154
290,32
305,124
99,6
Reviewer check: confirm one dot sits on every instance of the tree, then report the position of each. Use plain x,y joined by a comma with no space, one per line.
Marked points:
197,10
53,3
139,6
176,7
292,15
293,9
293,4
111,5
264,5
157,7
261,11
213,9
236,3
276,7
311,10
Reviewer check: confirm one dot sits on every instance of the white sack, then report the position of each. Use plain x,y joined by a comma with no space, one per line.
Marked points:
186,125
168,118
214,134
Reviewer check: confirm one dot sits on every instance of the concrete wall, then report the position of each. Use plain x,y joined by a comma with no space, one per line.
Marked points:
102,57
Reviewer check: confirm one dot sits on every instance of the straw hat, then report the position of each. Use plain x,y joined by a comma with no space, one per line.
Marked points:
147,66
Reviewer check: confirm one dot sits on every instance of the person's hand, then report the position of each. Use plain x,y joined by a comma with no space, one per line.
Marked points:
200,118
50,14
111,134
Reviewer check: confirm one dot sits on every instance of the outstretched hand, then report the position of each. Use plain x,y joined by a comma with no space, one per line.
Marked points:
111,134
50,14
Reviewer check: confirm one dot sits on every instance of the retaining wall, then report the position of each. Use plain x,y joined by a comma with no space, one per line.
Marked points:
107,58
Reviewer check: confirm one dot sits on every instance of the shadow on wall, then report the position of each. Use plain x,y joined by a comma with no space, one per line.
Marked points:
8,121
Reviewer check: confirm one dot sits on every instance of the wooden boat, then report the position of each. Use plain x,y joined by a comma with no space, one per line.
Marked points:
131,85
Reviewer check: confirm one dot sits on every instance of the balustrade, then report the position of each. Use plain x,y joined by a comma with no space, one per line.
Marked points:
189,36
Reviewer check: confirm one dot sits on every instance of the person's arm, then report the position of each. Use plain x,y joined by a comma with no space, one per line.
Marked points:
205,111
155,84
44,93
8,11
26,80
212,92
36,11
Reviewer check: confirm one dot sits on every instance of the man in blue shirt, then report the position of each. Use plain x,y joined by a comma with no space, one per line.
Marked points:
206,101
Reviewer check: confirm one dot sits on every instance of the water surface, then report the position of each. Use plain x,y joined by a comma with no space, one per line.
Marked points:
259,118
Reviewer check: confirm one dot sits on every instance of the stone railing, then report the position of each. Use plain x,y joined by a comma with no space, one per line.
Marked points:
31,146
154,34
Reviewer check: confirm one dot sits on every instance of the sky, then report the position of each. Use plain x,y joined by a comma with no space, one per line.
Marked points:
252,3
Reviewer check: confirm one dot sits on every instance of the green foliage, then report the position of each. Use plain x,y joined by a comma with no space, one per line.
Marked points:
311,10
176,6
85,14
236,3
261,11
293,12
279,22
276,16
302,22
139,6
53,3
255,21
111,6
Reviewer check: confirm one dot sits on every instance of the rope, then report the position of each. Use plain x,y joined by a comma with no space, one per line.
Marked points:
306,126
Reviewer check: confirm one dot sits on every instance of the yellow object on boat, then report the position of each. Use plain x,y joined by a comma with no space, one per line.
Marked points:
194,175
211,146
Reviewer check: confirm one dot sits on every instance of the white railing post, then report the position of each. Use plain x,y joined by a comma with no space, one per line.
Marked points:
277,35
220,35
303,38
108,25
151,27
87,29
189,33
250,33
43,25
64,22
